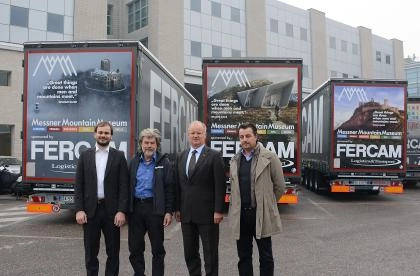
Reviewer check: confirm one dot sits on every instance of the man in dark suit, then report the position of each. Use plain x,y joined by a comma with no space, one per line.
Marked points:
200,188
101,199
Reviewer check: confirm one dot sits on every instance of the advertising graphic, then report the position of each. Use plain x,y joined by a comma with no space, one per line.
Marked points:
413,135
368,127
266,96
68,93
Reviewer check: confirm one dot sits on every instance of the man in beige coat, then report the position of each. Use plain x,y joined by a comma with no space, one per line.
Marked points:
257,182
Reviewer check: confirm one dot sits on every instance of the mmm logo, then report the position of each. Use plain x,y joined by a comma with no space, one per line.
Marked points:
50,62
350,92
228,75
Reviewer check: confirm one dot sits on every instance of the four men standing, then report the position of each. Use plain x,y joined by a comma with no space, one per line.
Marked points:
151,190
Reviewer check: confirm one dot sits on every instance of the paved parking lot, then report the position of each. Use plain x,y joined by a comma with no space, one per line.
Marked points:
350,234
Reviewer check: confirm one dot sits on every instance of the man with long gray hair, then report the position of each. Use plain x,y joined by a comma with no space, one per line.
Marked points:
151,202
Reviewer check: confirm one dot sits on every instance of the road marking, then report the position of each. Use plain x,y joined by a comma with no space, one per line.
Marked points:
17,219
41,237
320,208
8,214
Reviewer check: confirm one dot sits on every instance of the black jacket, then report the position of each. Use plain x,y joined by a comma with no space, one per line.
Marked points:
115,183
163,186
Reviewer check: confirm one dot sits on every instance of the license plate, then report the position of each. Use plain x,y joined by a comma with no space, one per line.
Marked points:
68,198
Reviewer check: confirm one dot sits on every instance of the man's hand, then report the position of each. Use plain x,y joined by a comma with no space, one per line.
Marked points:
167,219
119,219
81,217
178,216
218,217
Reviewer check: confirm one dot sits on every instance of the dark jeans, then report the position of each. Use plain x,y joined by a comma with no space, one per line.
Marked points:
244,247
92,236
140,222
209,234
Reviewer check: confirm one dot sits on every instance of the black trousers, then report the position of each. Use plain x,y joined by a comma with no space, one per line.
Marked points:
244,247
209,234
140,222
101,221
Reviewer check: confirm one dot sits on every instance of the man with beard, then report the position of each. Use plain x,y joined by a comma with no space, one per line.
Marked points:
257,183
101,197
151,202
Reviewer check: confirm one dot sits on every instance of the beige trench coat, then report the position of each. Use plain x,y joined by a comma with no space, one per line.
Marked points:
269,186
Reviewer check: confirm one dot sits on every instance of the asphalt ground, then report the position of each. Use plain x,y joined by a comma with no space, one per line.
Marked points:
349,234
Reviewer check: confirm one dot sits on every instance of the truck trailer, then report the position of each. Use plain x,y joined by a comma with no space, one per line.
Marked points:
263,91
412,175
71,86
354,136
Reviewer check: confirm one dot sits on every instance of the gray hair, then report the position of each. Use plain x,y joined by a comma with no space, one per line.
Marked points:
198,123
150,133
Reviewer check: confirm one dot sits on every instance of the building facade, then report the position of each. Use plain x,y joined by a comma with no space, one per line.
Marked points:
37,20
180,33
412,70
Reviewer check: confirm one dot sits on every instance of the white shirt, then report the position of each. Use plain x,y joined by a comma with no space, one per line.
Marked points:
101,158
197,155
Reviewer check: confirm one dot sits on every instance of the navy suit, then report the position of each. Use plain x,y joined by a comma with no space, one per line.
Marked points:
198,197
100,215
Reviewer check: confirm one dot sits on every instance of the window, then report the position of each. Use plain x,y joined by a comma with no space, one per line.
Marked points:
345,75
274,25
55,23
303,34
332,42
145,42
195,49
378,56
343,45
195,5
138,15
388,59
216,51
216,9
289,29
236,53
5,78
305,71
108,20
235,14
355,77
354,49
19,16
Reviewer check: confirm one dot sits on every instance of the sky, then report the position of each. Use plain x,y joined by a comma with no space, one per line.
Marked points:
388,19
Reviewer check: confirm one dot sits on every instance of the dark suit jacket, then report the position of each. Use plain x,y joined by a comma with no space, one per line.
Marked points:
115,183
198,197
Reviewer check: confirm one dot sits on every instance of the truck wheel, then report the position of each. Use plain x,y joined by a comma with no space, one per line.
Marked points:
317,178
307,179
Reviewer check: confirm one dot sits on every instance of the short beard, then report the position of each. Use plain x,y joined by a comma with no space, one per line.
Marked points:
105,144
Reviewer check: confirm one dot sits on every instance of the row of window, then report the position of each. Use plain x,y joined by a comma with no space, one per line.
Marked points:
216,10
20,17
216,50
335,74
274,27
138,15
379,57
344,45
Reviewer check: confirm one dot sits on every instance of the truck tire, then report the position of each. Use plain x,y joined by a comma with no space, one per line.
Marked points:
307,178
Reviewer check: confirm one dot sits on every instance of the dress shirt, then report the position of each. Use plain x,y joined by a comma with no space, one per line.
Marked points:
101,158
144,177
248,157
197,155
